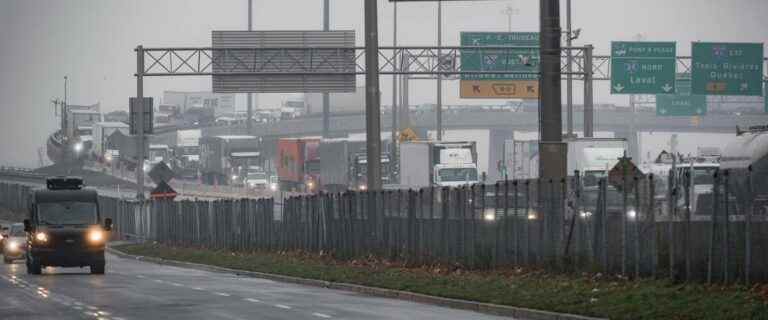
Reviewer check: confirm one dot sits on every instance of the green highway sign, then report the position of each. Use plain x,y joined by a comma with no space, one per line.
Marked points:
523,59
727,68
642,67
682,103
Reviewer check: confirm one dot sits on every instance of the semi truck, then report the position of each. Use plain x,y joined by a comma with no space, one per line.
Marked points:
102,131
344,164
748,150
298,163
594,157
427,163
226,159
187,153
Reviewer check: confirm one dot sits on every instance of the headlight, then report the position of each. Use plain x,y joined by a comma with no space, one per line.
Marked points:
13,246
489,214
234,177
78,147
532,216
631,214
41,237
96,236
585,214
363,187
273,186
310,184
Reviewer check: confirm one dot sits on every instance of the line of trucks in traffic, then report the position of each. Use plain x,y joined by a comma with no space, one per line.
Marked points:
313,164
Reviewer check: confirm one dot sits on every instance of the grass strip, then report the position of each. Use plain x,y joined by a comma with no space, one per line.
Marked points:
583,294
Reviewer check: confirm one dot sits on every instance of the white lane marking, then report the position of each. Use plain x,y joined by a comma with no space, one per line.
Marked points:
93,308
176,284
253,300
141,276
77,308
158,281
198,288
221,294
321,315
282,306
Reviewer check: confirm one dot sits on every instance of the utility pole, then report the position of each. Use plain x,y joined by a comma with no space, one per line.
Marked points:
326,96
140,123
569,76
394,143
439,106
553,154
372,96
249,112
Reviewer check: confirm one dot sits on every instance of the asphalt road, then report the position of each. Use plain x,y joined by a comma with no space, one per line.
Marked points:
139,290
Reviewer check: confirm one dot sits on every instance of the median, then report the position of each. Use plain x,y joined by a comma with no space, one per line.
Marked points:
582,294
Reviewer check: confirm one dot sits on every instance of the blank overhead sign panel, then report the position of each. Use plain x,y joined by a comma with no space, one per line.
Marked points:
283,59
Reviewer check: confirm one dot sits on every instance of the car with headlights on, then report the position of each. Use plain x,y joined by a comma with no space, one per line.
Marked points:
65,227
14,243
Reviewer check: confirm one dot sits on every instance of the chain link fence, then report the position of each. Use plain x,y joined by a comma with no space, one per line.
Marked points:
671,227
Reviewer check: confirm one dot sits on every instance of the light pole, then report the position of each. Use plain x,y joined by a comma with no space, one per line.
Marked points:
510,11
372,96
249,113
326,96
439,106
569,78
394,147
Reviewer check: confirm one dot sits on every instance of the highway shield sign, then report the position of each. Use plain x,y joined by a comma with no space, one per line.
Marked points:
727,68
642,67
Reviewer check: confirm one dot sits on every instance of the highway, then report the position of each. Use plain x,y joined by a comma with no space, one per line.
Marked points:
133,289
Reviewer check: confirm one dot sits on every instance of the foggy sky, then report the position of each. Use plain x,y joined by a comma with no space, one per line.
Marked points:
92,42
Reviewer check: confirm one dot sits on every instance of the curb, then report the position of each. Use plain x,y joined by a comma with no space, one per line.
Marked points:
486,308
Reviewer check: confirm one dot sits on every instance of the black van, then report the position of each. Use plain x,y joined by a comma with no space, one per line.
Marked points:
64,228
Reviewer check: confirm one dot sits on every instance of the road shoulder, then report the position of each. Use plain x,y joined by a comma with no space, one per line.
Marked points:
486,308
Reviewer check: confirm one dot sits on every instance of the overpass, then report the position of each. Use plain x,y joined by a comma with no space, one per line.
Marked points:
605,120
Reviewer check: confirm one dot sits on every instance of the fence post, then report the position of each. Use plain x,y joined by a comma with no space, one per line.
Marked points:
527,222
500,245
726,238
624,212
671,226
748,228
603,204
574,219
687,226
636,223
652,217
713,225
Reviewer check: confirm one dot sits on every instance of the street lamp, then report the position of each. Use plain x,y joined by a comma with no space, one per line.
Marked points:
510,11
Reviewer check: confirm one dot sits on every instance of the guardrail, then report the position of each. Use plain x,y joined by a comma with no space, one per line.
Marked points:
20,172
560,225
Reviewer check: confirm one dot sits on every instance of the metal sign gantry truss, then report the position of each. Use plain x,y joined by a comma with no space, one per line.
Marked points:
324,61
320,61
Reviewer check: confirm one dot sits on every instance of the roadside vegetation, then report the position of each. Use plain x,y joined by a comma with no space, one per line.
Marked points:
583,294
